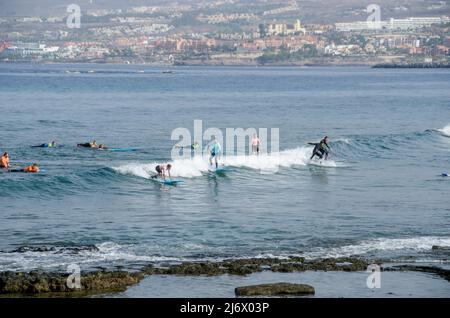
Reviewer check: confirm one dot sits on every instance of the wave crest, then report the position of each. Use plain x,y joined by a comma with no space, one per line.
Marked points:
445,131
195,167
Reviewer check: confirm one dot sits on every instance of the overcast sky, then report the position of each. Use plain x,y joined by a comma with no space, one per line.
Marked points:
58,7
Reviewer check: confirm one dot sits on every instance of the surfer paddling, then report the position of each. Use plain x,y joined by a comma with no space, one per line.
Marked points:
4,161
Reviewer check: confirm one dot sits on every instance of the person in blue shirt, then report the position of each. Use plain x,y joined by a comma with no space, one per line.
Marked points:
214,151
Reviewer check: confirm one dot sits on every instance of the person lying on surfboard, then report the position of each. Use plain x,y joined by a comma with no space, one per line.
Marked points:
194,146
4,161
92,144
49,145
34,168
214,151
320,149
161,170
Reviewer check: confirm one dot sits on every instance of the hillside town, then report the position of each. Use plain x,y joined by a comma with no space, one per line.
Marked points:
224,33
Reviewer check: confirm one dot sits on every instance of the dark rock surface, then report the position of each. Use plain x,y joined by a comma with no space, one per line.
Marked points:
275,289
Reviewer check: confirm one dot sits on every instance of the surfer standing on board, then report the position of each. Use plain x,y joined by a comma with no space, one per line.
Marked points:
214,151
320,149
256,142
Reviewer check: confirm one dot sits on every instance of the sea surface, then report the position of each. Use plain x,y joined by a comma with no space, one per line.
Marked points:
380,194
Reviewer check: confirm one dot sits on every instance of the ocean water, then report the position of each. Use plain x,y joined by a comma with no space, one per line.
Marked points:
380,195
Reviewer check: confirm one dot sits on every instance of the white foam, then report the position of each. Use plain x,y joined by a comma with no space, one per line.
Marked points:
344,140
108,253
194,167
417,244
445,131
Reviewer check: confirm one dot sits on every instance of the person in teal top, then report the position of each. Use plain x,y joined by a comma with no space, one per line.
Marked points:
214,151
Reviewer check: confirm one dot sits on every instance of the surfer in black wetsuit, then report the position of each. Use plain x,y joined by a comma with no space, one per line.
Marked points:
320,149
92,144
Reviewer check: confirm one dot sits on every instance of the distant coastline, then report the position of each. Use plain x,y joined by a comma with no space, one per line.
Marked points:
412,65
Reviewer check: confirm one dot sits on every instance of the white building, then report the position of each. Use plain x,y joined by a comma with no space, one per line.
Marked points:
26,49
393,24
285,29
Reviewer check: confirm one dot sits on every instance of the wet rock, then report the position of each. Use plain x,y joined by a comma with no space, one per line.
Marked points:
253,265
78,249
444,273
37,282
24,249
193,269
56,250
243,269
276,289
328,264
441,249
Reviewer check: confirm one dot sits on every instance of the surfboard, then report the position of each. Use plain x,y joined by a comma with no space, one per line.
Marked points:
445,174
21,171
46,147
222,169
167,181
120,149
316,163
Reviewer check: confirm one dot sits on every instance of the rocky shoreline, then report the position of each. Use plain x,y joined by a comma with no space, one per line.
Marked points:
36,283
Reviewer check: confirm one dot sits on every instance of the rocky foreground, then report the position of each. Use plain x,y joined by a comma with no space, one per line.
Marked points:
101,282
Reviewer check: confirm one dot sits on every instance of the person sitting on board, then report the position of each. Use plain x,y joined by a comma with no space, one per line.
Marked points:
320,149
49,145
161,170
214,150
4,162
256,142
92,144
34,168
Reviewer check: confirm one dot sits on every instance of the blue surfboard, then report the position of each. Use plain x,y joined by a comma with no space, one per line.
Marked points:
120,149
445,174
221,170
167,181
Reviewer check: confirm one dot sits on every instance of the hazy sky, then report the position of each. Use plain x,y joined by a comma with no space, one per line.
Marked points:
50,7
325,8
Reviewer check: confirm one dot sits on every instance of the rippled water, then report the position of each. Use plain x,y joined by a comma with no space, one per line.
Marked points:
380,195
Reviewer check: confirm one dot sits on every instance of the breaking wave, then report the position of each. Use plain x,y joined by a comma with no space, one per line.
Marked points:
195,167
